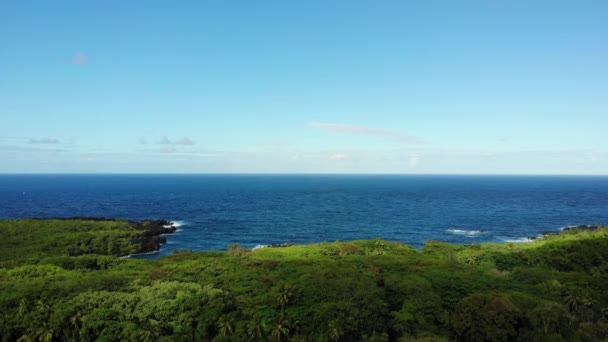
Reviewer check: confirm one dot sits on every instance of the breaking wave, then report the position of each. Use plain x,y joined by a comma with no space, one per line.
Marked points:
178,224
464,232
519,240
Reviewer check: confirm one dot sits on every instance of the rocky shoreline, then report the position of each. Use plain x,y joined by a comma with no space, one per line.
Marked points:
151,232
570,228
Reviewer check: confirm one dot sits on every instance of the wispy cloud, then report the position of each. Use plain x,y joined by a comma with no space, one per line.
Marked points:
164,141
43,141
339,156
12,148
388,134
80,59
183,141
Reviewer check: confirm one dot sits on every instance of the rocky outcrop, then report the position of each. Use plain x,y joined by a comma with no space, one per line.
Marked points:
582,227
152,234
150,237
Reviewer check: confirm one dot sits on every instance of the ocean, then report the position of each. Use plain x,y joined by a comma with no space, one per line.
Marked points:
213,211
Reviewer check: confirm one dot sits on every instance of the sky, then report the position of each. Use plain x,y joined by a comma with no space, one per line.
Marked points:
341,86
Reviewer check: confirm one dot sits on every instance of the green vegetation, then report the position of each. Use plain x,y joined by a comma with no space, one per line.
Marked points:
61,280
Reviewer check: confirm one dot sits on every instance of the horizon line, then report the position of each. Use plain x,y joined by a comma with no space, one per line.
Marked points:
294,174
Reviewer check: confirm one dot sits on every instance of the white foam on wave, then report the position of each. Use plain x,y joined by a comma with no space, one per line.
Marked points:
517,240
178,224
138,254
464,232
259,247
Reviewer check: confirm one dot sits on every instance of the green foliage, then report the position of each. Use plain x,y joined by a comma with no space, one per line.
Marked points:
482,317
237,251
35,239
52,289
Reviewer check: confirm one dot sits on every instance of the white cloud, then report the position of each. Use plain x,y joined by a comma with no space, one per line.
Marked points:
184,141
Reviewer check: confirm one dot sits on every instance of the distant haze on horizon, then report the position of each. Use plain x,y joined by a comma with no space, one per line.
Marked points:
363,87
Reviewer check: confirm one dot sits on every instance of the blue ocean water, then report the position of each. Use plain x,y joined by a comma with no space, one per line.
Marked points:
216,210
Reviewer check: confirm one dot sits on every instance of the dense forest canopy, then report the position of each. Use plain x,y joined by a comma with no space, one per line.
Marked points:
65,280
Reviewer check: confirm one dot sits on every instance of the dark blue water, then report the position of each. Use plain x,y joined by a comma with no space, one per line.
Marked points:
216,210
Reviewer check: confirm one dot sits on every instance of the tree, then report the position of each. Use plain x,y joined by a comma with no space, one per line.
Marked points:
286,294
335,330
25,338
45,333
256,329
280,330
550,317
225,325
484,317
152,331
22,308
573,300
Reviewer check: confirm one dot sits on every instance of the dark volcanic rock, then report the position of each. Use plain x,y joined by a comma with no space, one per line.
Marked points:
581,227
572,228
150,239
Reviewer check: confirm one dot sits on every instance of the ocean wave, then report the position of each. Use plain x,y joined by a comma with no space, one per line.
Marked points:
259,247
178,224
464,232
518,240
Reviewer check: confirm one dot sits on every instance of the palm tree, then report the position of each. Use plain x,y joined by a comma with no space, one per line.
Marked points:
285,296
43,307
25,338
335,330
45,334
75,325
225,325
256,330
280,329
588,301
152,331
146,336
22,308
573,300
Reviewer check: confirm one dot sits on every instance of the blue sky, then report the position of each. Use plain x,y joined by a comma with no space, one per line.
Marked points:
493,86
